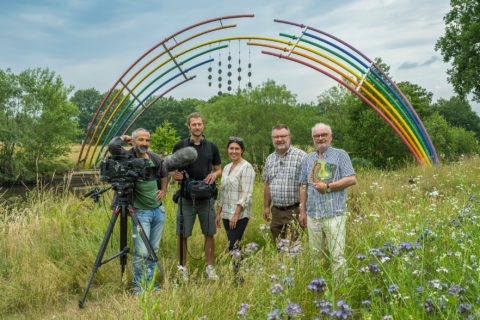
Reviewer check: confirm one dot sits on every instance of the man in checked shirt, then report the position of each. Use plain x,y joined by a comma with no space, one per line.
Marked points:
281,175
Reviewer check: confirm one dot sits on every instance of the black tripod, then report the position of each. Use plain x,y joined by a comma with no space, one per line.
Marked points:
183,192
124,192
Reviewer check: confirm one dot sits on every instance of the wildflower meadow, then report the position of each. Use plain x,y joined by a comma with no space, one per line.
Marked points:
413,252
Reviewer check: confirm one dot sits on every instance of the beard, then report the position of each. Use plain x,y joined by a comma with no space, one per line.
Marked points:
140,149
282,147
322,147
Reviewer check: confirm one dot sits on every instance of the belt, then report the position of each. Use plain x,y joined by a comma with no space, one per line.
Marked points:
293,206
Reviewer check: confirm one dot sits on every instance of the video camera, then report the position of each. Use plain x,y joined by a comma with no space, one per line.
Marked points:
118,169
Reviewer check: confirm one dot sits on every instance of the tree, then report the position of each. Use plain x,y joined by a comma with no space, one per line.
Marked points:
461,46
10,129
458,113
171,110
39,122
450,142
87,102
163,139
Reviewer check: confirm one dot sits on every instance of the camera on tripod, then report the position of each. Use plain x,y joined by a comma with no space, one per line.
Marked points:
117,169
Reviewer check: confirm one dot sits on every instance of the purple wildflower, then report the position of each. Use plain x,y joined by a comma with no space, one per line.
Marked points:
455,289
376,252
420,289
243,311
429,305
236,254
361,256
277,288
251,247
288,281
318,285
323,304
275,314
366,303
373,267
294,310
405,246
392,288
345,308
464,308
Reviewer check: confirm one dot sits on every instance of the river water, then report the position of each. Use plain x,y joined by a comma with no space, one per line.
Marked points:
78,182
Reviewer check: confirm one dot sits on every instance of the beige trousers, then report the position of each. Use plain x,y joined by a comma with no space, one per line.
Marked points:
329,234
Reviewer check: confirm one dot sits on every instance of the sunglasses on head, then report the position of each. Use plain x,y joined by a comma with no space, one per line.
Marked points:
235,139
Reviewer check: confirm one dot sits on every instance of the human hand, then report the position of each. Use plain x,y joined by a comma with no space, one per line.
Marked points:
302,219
266,214
320,187
211,178
217,221
233,222
160,195
127,139
178,176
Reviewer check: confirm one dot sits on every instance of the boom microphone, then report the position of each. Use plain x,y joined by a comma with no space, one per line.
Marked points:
180,158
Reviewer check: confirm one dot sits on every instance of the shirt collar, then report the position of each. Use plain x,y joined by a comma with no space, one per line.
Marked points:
286,153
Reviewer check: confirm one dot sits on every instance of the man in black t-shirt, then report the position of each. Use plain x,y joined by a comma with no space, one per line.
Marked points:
201,169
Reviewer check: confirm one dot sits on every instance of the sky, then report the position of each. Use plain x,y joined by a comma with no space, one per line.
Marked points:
90,44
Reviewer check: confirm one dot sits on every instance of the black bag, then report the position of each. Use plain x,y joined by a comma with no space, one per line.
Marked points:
200,190
176,195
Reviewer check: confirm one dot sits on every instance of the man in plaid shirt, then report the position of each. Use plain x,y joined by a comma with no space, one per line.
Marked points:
281,174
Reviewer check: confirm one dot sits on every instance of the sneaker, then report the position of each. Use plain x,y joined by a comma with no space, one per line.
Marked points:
210,272
183,273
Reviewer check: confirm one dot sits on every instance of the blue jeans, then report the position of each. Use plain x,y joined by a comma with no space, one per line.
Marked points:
152,222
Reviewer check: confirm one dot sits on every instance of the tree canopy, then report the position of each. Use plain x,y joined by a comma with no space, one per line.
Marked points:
460,45
37,123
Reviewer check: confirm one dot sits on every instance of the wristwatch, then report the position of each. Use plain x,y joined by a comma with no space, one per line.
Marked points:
328,187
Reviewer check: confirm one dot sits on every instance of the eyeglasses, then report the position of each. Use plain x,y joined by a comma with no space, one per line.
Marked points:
235,139
323,135
279,137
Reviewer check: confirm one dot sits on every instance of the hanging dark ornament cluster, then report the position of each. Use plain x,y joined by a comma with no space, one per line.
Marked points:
229,73
210,74
249,69
239,69
219,74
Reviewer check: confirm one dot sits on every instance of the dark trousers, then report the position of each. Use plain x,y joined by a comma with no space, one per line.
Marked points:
235,235
285,223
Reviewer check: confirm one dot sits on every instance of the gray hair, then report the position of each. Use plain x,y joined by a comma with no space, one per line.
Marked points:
280,127
320,124
134,133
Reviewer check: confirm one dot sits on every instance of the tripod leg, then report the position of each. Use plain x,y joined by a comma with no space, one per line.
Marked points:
152,255
123,239
101,252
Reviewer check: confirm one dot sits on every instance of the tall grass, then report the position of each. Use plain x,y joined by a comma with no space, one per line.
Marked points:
412,252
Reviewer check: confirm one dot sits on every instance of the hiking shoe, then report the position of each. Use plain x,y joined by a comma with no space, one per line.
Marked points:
210,272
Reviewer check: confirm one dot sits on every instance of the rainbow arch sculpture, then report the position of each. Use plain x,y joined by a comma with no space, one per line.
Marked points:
172,61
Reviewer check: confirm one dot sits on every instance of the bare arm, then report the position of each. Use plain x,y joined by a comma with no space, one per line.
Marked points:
341,184
267,200
161,193
215,174
303,202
